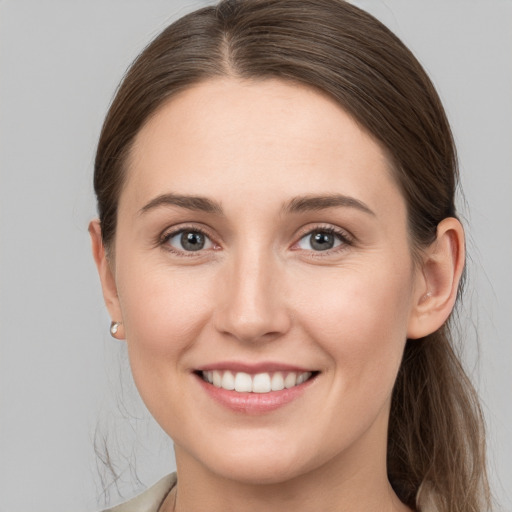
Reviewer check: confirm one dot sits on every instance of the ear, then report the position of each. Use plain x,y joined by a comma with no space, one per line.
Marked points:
438,280
107,278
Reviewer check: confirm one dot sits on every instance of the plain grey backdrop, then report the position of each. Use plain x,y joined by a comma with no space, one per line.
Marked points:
64,383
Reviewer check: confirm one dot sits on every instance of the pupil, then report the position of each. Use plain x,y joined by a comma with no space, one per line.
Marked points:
322,241
192,241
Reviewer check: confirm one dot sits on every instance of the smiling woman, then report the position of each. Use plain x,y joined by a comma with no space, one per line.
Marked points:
278,244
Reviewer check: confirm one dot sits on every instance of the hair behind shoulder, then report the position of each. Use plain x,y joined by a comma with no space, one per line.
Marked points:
436,448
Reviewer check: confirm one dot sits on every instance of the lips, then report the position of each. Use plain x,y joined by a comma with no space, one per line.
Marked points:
254,389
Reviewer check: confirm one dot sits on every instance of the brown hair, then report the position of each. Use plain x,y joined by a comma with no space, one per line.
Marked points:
436,458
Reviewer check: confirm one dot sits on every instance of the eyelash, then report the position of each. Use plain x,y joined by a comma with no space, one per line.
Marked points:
345,239
168,235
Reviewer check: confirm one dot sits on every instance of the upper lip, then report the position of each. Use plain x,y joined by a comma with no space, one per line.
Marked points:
253,368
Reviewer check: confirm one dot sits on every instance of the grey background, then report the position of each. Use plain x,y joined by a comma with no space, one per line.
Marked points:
62,378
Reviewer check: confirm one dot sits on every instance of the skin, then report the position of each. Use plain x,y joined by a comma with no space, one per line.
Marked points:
259,291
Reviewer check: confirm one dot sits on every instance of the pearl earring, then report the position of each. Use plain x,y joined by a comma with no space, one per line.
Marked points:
114,327
426,296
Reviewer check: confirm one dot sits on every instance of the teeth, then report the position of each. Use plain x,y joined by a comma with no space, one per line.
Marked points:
228,381
243,382
277,383
290,380
216,378
301,378
260,383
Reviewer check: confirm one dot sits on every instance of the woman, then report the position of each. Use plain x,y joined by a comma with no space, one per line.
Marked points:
278,244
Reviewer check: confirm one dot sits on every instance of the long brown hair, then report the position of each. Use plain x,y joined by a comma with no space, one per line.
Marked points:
436,448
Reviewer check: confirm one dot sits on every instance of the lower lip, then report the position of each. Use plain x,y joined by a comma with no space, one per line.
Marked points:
254,403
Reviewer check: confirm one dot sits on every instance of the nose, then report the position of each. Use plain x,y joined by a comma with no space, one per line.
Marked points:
252,305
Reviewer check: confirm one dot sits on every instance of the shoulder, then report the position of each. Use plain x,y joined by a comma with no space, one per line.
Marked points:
150,500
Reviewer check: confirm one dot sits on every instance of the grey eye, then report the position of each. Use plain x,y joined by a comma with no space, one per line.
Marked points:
319,240
190,240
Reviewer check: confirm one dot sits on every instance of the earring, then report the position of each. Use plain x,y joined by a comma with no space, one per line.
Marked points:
114,327
426,296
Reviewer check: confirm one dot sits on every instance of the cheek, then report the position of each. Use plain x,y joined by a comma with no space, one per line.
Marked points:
164,310
360,318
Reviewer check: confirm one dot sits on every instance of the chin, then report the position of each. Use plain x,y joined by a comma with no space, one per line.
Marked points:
261,472
261,465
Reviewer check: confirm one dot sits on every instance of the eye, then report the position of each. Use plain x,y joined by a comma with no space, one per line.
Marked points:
321,240
188,240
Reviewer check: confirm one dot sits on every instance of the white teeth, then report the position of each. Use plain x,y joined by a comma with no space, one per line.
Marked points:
260,383
217,378
303,377
243,382
277,383
228,381
290,380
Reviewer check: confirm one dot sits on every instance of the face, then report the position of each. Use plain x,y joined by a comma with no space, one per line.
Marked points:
262,244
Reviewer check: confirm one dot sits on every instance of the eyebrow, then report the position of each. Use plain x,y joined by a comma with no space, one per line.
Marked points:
314,203
194,203
296,205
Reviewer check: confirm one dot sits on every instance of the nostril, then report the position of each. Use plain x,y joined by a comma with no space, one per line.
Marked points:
253,328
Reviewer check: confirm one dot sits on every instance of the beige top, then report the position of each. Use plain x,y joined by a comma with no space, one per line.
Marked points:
150,500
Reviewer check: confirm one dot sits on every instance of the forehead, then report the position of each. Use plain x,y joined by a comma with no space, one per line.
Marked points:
264,139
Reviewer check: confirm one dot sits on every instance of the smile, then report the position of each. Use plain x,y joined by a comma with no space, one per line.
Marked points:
264,382
255,388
